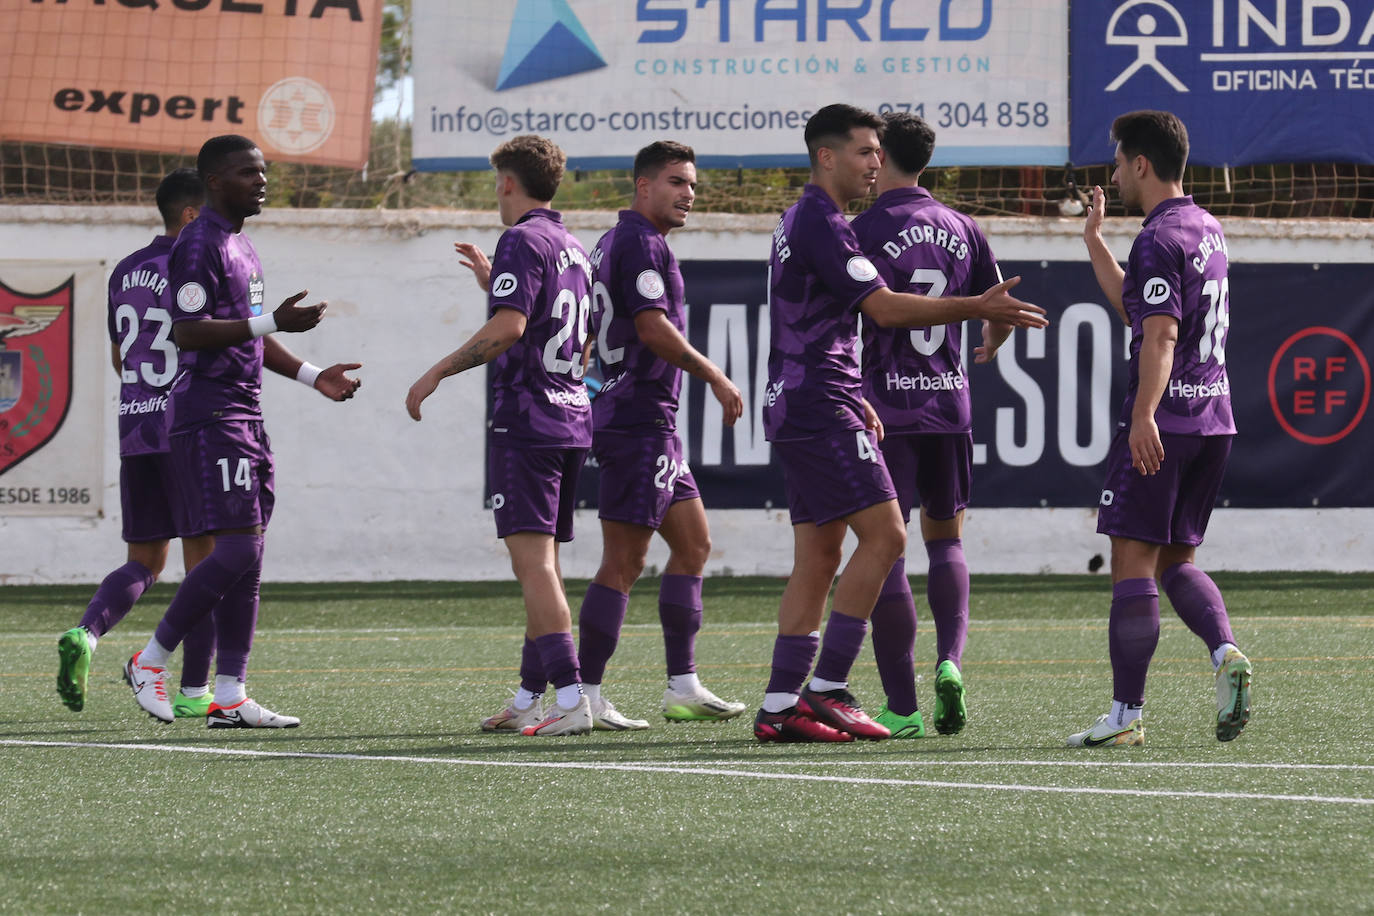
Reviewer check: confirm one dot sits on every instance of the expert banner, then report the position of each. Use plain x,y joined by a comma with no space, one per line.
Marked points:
736,79
53,358
294,75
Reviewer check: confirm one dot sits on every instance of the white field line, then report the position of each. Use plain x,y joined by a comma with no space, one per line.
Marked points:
700,771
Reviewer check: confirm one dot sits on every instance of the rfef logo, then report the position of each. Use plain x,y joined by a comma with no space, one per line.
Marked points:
1319,385
35,369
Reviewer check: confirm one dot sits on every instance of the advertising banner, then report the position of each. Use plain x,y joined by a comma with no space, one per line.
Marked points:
1045,410
1255,82
53,356
166,75
736,80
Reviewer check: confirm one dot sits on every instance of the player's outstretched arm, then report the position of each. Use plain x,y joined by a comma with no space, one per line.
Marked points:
333,383
1109,274
475,260
907,310
658,334
219,333
491,340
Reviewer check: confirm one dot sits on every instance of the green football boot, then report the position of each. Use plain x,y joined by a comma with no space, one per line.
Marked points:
73,667
950,713
184,707
901,726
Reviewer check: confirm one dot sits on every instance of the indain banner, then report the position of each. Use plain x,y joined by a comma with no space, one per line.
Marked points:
736,79
294,75
1254,80
53,358
1045,410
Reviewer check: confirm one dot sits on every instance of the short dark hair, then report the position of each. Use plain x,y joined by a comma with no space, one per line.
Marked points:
908,141
1159,136
181,188
830,127
217,149
651,159
536,162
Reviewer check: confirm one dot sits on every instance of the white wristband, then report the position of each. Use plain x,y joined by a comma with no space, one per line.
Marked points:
307,374
262,325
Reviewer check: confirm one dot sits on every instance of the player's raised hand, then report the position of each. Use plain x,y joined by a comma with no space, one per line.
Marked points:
424,386
476,261
995,333
1092,226
871,420
293,318
731,401
999,305
335,385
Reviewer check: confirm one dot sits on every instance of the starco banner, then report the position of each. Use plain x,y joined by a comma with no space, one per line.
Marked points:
1254,80
736,79
1045,410
294,75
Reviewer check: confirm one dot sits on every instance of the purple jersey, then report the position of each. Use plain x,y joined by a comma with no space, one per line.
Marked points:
1178,267
140,322
216,274
538,397
817,276
634,271
914,378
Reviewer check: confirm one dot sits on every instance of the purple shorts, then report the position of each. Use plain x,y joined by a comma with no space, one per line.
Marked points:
534,489
146,496
1171,507
934,470
641,476
830,477
224,477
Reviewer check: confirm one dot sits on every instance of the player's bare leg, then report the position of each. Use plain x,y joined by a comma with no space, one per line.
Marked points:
534,560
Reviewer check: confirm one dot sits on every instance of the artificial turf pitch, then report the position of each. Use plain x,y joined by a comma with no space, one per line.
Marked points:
388,798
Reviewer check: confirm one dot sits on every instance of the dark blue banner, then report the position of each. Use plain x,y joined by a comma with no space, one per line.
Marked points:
1261,81
1045,410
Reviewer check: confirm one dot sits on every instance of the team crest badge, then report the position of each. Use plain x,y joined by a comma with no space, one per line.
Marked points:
35,369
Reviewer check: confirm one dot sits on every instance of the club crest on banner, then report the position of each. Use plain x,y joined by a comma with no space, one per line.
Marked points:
35,369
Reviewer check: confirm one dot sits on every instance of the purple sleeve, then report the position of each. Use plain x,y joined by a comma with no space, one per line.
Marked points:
984,273
196,280
517,274
642,267
833,254
1159,280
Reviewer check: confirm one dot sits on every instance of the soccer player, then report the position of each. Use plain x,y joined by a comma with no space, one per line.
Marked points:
824,434
221,455
1173,438
539,285
145,359
915,381
639,319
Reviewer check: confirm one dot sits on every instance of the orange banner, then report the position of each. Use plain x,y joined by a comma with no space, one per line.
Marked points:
294,75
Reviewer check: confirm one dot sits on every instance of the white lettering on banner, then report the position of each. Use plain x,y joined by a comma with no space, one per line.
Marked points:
1099,325
727,345
1023,385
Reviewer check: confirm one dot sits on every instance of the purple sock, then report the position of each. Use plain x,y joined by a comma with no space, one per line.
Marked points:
206,584
598,630
197,649
115,597
844,637
1132,635
947,591
894,640
792,657
531,668
679,610
236,619
1197,601
558,657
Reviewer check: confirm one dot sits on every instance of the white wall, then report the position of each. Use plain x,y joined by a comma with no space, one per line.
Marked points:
365,493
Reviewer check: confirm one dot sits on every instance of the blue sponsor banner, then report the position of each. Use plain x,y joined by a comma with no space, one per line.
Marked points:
1254,80
1045,410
